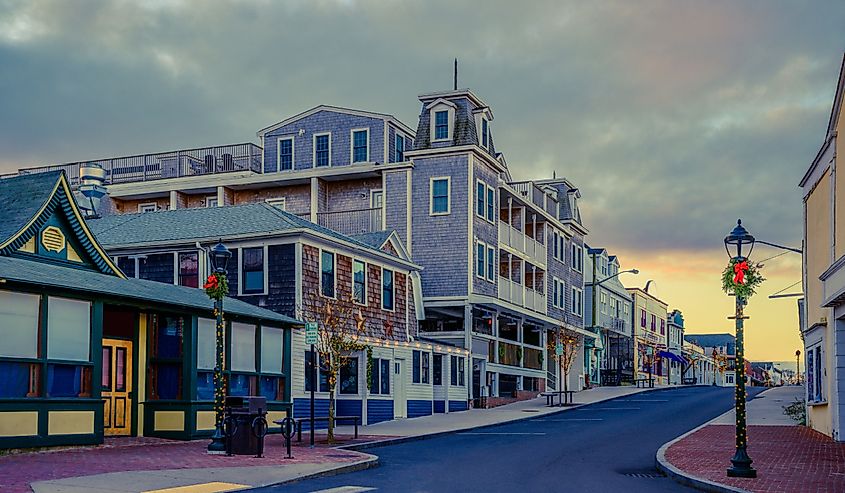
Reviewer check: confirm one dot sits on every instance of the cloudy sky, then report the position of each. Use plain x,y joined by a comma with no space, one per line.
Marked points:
674,118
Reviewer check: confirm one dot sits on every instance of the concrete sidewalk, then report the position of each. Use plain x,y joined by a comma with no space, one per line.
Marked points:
165,466
787,457
767,407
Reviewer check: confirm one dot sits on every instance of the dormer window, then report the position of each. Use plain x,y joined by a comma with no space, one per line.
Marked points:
485,131
441,113
441,125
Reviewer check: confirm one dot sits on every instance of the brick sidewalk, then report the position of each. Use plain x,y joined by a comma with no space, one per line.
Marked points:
150,454
787,458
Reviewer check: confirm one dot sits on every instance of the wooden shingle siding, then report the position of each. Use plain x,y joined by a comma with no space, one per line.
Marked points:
281,277
379,323
440,243
297,197
157,267
234,273
340,126
127,265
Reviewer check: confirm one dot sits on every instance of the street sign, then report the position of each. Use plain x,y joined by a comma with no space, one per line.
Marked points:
559,349
311,333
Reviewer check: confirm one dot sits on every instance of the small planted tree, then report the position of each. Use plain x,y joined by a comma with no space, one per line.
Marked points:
341,325
569,341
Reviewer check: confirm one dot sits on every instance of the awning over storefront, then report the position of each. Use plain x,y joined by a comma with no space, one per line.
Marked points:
672,356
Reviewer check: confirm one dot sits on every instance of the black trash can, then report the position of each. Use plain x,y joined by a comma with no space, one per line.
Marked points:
245,425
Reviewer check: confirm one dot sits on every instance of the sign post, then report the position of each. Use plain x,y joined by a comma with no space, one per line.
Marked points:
311,339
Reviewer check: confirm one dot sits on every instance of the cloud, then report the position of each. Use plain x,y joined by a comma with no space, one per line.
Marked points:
673,117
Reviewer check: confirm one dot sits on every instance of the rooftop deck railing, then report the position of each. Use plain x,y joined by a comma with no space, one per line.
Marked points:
173,164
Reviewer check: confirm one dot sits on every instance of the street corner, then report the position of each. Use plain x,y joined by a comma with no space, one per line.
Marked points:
786,458
134,466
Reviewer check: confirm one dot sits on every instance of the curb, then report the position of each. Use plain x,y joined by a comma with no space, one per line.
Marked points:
413,438
686,478
368,463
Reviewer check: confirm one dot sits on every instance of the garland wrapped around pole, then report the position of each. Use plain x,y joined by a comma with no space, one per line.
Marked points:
741,278
216,286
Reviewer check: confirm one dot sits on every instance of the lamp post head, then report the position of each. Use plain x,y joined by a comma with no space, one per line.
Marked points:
635,271
797,353
738,238
220,256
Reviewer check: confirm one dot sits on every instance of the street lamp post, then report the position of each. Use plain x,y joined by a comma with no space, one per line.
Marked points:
741,467
595,284
219,256
797,367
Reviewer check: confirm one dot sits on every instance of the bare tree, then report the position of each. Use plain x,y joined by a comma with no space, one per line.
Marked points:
341,324
569,339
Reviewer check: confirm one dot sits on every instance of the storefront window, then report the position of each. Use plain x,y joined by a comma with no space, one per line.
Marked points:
68,329
165,377
19,324
243,347
272,349
349,376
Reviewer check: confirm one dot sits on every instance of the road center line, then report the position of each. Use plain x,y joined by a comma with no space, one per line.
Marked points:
498,433
646,400
610,409
345,489
571,419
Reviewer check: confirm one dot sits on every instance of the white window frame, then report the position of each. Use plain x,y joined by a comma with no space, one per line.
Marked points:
482,273
366,282
818,370
352,145
450,122
145,205
292,140
491,220
276,202
577,257
491,278
580,299
485,135
314,150
210,199
431,195
392,288
373,192
320,272
241,279
483,213
177,266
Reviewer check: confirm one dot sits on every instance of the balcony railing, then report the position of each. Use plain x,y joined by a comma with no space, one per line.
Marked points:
509,354
535,195
519,241
521,295
533,358
352,222
173,164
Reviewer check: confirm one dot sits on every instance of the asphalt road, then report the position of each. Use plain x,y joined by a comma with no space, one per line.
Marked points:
603,447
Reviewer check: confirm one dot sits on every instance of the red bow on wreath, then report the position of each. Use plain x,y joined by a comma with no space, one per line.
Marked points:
739,272
211,282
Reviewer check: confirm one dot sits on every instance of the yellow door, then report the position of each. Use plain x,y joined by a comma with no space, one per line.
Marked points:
117,386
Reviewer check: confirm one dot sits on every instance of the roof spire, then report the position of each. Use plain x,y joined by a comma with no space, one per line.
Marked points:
456,75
